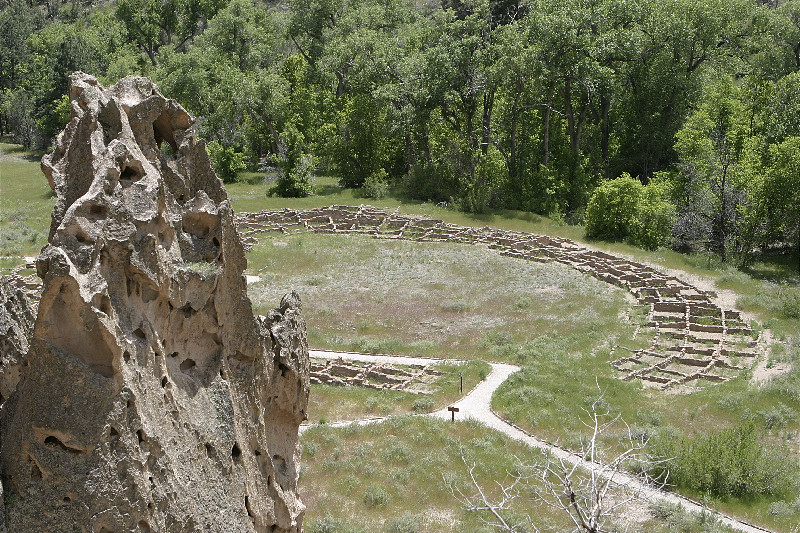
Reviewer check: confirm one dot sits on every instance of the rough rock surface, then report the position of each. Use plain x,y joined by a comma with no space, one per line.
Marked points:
152,399
16,326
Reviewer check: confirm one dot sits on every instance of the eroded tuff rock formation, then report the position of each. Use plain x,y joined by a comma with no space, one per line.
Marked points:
16,325
151,398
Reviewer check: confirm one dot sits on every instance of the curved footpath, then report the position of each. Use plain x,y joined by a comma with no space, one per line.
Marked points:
477,405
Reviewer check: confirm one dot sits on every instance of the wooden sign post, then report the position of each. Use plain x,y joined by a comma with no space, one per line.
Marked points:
453,411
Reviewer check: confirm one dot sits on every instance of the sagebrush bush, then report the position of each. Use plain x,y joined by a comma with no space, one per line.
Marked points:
376,496
425,403
329,524
406,523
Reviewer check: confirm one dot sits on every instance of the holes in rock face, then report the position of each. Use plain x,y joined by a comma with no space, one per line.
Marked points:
215,241
36,473
210,451
187,364
281,367
144,526
130,173
188,311
113,433
164,381
140,436
149,294
70,337
200,224
102,303
54,442
174,354
140,334
236,452
162,131
130,285
81,236
97,210
221,374
247,506
66,499
126,357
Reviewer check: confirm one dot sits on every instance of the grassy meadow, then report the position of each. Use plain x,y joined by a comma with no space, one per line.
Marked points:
467,302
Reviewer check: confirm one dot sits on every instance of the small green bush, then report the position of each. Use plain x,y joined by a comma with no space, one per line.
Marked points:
422,404
296,180
731,462
376,185
227,162
624,209
376,496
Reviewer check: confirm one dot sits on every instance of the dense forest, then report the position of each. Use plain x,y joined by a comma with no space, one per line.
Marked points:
671,122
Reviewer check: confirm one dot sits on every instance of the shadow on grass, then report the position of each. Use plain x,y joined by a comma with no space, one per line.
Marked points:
775,266
327,189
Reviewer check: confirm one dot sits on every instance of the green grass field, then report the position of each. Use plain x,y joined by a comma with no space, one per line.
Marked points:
446,300
26,202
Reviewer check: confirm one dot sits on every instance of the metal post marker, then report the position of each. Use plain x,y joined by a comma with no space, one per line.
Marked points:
461,379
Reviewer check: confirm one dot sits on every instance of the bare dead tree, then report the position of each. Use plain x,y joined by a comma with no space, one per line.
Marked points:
591,489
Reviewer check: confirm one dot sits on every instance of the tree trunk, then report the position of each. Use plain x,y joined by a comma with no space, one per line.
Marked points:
512,158
605,106
723,215
488,106
546,135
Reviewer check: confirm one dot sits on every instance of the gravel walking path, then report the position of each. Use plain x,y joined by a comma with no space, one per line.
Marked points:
477,405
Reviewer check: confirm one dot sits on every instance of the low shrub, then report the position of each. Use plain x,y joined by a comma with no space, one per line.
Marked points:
406,523
422,404
227,162
376,496
731,462
376,185
329,524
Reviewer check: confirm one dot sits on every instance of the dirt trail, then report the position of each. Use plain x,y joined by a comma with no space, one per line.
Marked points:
477,405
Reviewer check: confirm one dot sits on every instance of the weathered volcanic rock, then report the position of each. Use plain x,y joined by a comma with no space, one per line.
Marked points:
16,326
151,398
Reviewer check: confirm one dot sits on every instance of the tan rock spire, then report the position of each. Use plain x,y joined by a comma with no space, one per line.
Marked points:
151,398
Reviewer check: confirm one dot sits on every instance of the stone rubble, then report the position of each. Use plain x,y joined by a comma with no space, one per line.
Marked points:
379,376
693,338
